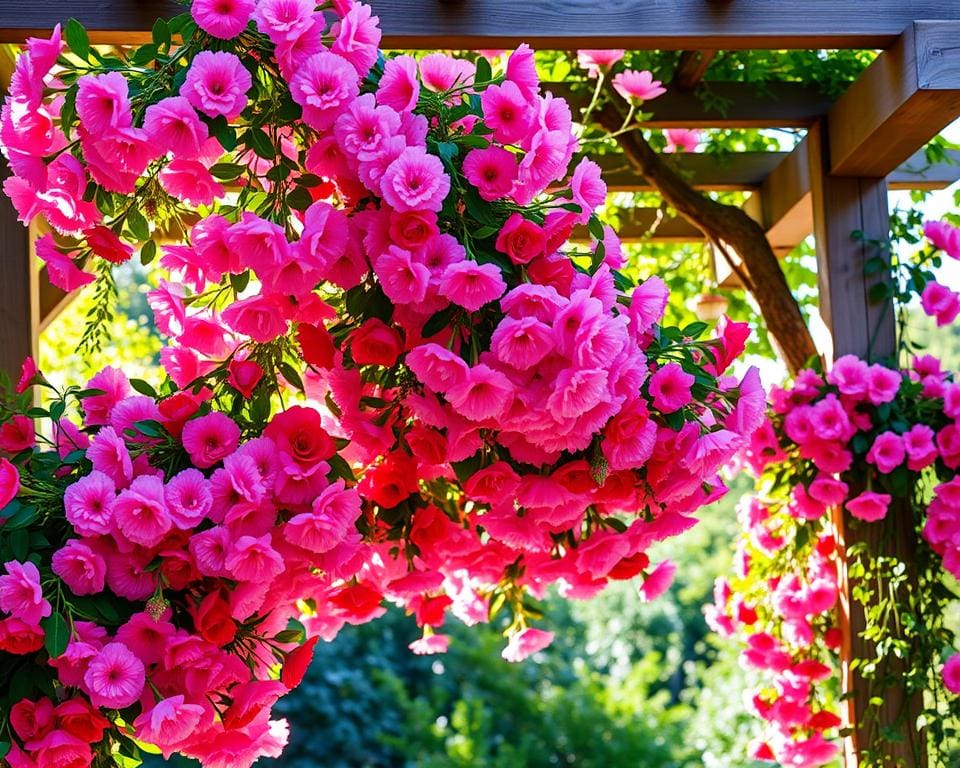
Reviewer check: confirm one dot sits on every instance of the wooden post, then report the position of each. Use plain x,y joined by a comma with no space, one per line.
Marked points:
19,316
859,326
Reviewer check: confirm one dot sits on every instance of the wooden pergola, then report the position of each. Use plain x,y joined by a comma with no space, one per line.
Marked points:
835,182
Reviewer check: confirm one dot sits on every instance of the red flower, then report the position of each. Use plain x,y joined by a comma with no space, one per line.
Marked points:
213,620
107,245
299,433
244,376
80,719
375,343
358,602
176,410
391,482
18,637
296,663
17,434
9,483
29,375
316,345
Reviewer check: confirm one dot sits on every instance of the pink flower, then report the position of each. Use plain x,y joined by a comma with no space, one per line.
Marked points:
882,384
89,504
324,85
170,721
525,643
430,644
507,110
114,385
944,236
211,438
102,103
21,594
364,129
869,506
173,126
217,84
589,190
670,388
415,181
681,139
647,303
17,434
252,558
441,72
82,569
141,511
657,581
521,239
357,38
259,317
61,268
849,374
29,375
828,490
521,342
948,443
483,394
284,20
115,677
887,452
437,367
244,376
595,61
951,673
637,87
404,280
492,171
399,87
109,455
188,498
9,482
522,70
829,420
60,748
629,437
940,302
222,18
919,446
576,391
471,285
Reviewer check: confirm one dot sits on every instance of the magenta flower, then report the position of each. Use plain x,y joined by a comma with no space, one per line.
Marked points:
415,181
596,61
637,87
887,452
222,18
951,673
940,302
211,438
588,187
658,581
483,394
103,105
492,171
471,285
141,513
170,721
115,677
173,126
683,139
944,236
62,269
525,643
21,594
82,569
399,86
217,84
869,506
670,388
507,110
9,482
284,20
324,85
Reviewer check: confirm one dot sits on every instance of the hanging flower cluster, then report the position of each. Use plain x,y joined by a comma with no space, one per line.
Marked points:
390,375
855,439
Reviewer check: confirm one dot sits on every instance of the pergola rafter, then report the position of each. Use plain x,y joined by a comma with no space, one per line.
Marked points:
833,183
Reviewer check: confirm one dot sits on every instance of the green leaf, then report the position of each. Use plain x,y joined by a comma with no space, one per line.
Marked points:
224,133
438,321
77,38
20,544
4,748
144,388
227,171
21,516
595,226
148,252
484,72
239,282
149,428
878,292
56,634
138,225
144,55
447,150
291,375
68,112
340,468
261,143
299,198
161,34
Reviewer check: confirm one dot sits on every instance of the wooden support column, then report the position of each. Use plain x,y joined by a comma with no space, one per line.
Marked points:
859,326
19,316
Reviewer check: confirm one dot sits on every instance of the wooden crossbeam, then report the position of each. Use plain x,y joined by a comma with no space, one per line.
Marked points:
905,98
745,105
561,24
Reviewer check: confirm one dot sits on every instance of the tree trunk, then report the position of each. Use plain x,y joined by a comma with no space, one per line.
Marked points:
728,227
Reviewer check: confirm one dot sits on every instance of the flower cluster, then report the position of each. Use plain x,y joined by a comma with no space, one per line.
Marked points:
391,375
875,443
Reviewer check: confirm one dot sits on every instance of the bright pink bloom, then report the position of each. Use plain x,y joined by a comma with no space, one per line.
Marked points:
217,84
437,367
869,506
630,437
188,498
324,85
647,303
170,722
244,376
522,69
882,384
173,126
658,581
82,569
681,139
521,239
637,87
103,105
483,394
944,236
441,72
357,38
9,482
887,452
259,317
399,87
940,302
375,343
507,111
415,181
521,342
89,504
918,442
430,644
21,594
284,20
114,386
525,643
141,512
492,171
211,438
951,673
17,434
595,61
115,677
670,388
828,490
404,280
62,269
252,558
588,187
471,285
222,18
850,375
29,375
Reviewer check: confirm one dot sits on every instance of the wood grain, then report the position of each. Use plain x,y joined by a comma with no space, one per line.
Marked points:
638,24
691,67
904,99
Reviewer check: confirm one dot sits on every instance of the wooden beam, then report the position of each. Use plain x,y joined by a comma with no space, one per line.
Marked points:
648,225
19,321
691,67
560,24
745,105
904,99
